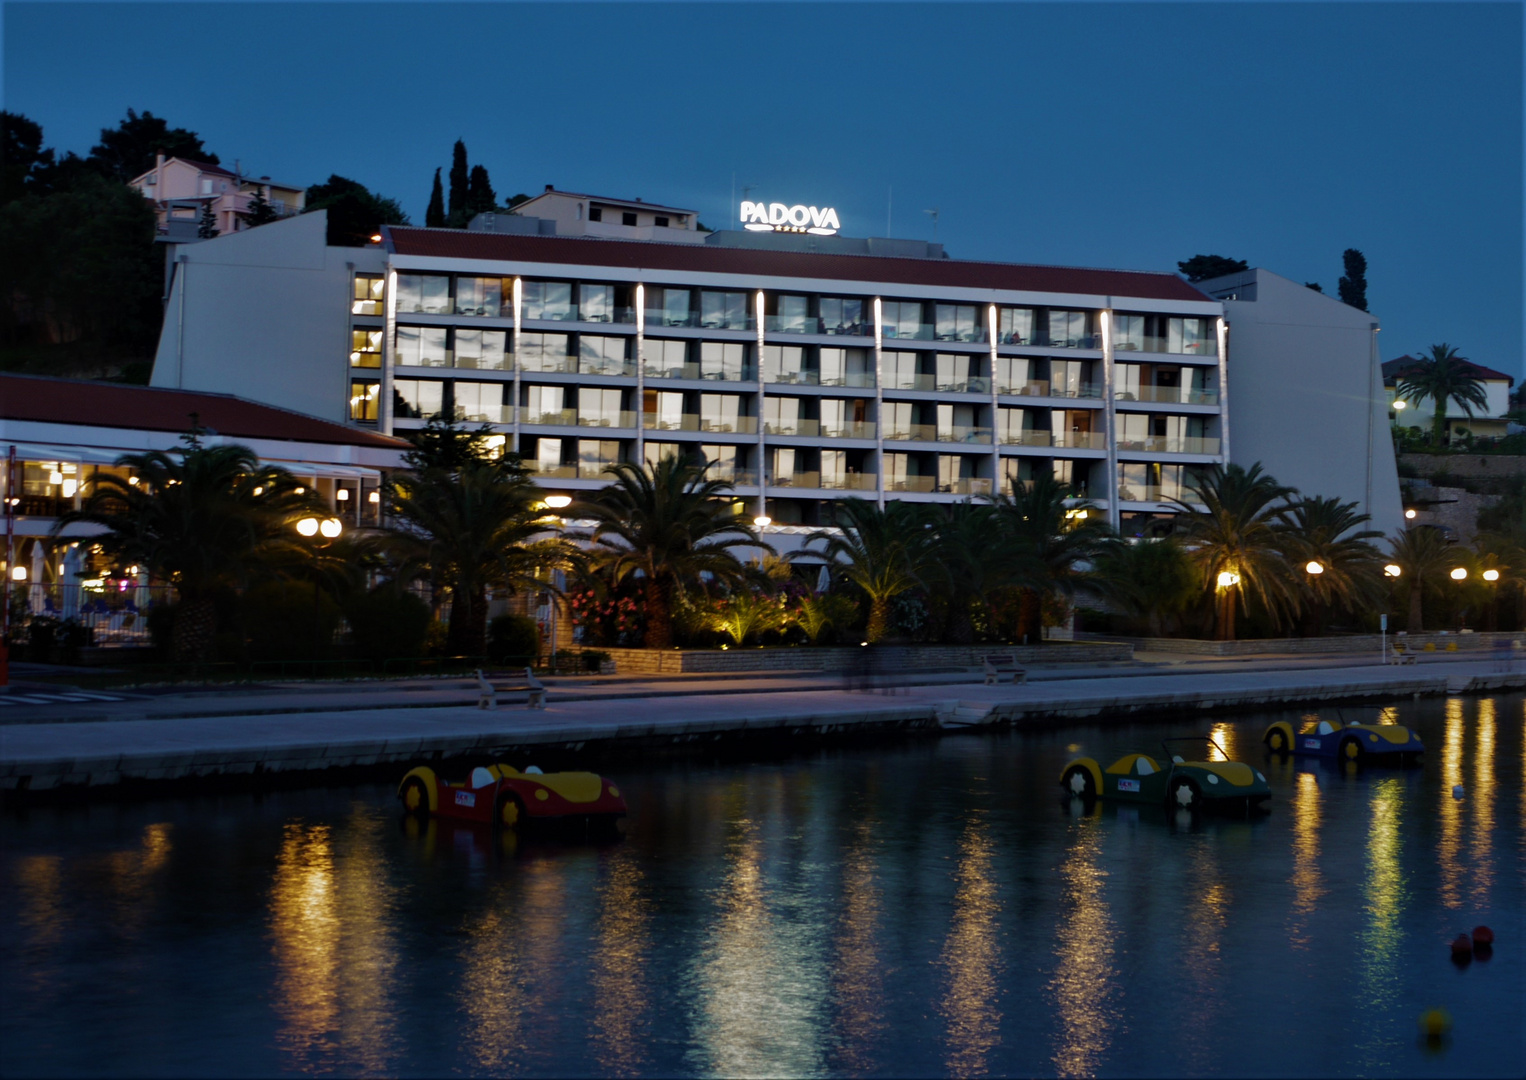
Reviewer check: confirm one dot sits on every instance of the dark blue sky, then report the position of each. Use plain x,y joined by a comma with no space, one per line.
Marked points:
1126,136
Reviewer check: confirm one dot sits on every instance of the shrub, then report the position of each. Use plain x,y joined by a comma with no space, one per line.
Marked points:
160,619
289,620
513,637
388,623
435,637
593,658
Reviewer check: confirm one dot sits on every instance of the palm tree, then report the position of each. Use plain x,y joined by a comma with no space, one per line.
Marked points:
972,555
1152,580
1326,532
884,552
668,523
1423,558
1052,539
1237,539
1441,377
200,517
477,528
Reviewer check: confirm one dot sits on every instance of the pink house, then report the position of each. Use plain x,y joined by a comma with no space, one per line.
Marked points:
179,188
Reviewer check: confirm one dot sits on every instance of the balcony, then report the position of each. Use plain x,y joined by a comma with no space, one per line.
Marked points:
1025,389
916,432
858,380
1171,444
793,378
968,485
553,472
1170,395
1027,437
594,470
549,313
446,358
797,480
621,419
741,425
960,433
946,384
1154,494
1080,440
548,365
800,427
848,429
1084,390
486,414
550,417
491,311
597,365
858,329
623,315
925,484
934,332
695,371
790,324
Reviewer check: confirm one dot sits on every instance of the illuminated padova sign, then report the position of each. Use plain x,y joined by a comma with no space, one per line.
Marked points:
776,217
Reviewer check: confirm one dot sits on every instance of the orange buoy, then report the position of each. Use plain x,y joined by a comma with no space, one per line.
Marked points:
1435,1023
1462,944
1482,935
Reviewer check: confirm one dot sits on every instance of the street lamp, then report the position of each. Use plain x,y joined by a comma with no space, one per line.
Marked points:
558,502
1314,567
1410,513
1400,405
331,527
1459,573
1228,579
1393,570
762,521
1491,575
308,526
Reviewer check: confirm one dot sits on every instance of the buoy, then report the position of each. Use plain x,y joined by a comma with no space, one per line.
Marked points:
1435,1023
1482,935
1462,944
1457,792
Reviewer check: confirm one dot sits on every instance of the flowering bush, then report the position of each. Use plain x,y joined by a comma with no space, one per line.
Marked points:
616,618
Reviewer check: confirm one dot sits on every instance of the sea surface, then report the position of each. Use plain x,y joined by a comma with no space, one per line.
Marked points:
925,908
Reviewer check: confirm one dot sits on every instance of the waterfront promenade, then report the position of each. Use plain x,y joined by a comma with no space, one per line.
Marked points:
94,742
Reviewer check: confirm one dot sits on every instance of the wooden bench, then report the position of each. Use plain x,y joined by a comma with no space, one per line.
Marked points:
487,693
1399,655
995,665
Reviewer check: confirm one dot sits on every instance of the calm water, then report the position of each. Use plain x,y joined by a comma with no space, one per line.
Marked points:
925,909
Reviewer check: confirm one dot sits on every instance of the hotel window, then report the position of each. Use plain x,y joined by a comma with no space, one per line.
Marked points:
786,364
595,456
603,355
596,303
723,461
370,294
1070,329
844,316
721,412
479,296
899,370
364,401
902,319
954,373
546,352
479,402
548,457
956,322
1068,378
627,218
483,350
1020,375
781,416
664,410
1070,473
1129,333
422,293
596,213
600,408
665,359
1133,430
1015,326
790,315
661,222
842,419
1127,380
783,466
366,348
417,399
1196,337
550,300
846,367
668,307
723,310
897,468
655,452
723,360
546,405
422,346
1167,334
834,468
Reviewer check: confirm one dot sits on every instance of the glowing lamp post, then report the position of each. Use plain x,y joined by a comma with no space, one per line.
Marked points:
1227,580
1392,570
1314,568
1459,574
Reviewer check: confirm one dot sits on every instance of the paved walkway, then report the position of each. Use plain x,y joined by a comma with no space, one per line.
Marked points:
294,727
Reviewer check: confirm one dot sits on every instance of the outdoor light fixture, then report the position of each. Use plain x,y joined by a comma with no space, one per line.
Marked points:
1314,567
302,491
1393,570
1409,513
1459,574
55,478
1400,406
18,573
762,521
343,494
308,526
376,238
133,480
374,497
259,491
1228,578
1491,575
331,527
558,502
70,487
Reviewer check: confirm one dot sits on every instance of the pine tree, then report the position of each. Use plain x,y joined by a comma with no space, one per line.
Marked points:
434,216
1353,287
260,211
458,183
479,193
207,228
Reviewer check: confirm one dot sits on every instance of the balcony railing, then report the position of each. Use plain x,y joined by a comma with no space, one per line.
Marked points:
596,365
934,332
918,432
1171,444
859,380
961,433
801,426
741,425
549,313
1083,390
1081,440
561,417
912,483
797,480
548,365
858,329
554,472
793,378
621,419
439,359
474,363
1032,388
1170,395
486,414
1141,493
1026,437
623,315
848,429
965,485
968,485
593,470
492,311
696,371
789,324
947,384
1206,347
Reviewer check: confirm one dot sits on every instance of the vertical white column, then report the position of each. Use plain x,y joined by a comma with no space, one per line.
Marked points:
640,402
389,355
762,445
1109,415
1222,331
879,402
995,410
518,356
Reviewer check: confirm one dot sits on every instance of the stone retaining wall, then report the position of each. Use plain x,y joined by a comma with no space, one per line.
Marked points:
1352,643
885,658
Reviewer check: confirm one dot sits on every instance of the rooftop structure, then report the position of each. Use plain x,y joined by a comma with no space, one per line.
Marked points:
1488,422
180,188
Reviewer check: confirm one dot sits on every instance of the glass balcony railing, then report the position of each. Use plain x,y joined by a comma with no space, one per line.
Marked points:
796,480
935,332
1031,388
852,329
911,483
860,380
594,470
737,477
851,482
484,363
945,384
489,310
790,324
432,360
561,417
621,419
723,322
1027,437
486,414
792,378
610,315
697,371
1141,493
967,485
961,433
554,472
848,429
1170,444
598,365
1081,390
550,365
1170,395
1080,440
741,425
917,432
549,313
658,317
1194,347
801,426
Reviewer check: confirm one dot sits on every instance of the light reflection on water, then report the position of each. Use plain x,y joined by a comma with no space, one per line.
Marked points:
921,909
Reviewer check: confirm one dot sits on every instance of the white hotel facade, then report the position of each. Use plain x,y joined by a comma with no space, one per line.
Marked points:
806,368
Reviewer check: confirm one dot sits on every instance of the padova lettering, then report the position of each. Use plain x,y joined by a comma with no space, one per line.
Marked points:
777,217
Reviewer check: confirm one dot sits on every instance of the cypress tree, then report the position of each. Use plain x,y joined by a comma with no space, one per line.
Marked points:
1353,287
206,228
479,192
434,217
458,182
